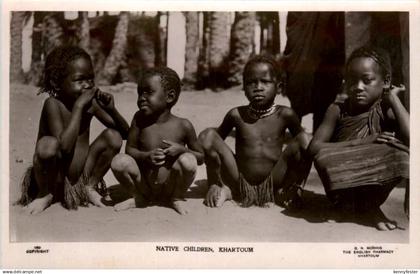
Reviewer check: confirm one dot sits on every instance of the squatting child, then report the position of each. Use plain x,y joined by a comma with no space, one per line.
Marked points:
162,150
361,147
66,167
260,171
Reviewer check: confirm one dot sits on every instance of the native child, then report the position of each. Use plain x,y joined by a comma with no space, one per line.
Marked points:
162,150
66,167
361,147
261,171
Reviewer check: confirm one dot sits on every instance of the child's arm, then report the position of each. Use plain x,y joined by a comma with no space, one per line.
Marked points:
325,131
293,124
398,112
67,136
155,157
106,112
227,125
193,147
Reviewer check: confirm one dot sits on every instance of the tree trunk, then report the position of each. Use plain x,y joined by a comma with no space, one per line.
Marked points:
35,73
113,61
270,33
242,37
52,31
204,53
275,34
219,49
16,27
48,33
191,49
84,31
161,38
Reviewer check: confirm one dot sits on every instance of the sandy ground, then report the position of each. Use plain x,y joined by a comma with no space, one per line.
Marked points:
317,222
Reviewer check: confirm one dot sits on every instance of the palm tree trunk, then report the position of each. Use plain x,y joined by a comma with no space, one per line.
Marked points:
84,31
270,33
47,34
35,73
219,48
161,39
274,37
204,53
16,27
116,55
191,49
52,31
241,45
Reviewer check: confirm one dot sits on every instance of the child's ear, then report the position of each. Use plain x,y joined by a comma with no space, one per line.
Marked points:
170,96
54,84
281,88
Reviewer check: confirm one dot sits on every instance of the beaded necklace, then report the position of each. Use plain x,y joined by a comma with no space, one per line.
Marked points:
258,114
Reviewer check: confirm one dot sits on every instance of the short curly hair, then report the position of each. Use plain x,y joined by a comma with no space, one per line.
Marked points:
169,79
379,55
56,66
274,66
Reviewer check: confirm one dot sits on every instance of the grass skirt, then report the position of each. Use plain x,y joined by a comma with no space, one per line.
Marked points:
259,195
70,195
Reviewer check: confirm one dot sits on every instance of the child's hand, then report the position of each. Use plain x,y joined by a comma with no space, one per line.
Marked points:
386,137
85,100
340,98
157,157
105,100
393,93
173,149
367,140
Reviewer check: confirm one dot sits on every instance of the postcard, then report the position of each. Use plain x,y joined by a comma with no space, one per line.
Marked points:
209,134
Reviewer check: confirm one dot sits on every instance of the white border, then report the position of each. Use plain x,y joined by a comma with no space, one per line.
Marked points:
143,255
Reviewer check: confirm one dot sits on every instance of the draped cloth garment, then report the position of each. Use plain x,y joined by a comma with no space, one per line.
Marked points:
362,165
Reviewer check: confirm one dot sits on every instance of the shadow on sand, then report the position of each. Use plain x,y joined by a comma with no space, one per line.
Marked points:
197,190
318,209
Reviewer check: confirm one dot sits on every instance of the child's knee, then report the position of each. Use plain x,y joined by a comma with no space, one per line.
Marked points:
47,147
207,137
122,163
188,162
113,138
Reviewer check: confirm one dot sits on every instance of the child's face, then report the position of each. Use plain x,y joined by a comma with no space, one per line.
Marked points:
364,81
151,95
80,77
260,86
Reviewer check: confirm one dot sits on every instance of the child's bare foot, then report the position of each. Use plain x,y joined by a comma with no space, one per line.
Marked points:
127,204
291,198
94,197
38,205
380,221
178,205
217,195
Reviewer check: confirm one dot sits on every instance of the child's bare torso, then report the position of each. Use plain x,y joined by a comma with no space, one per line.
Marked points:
151,136
76,160
258,143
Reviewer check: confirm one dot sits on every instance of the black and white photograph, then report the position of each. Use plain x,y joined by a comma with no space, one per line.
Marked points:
207,133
